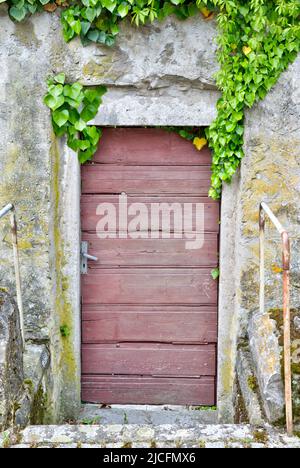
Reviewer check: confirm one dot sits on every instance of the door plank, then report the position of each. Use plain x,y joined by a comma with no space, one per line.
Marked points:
102,324
153,359
142,390
90,208
149,286
146,146
140,180
151,252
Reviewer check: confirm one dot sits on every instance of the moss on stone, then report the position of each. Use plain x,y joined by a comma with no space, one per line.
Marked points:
25,34
127,445
38,407
29,384
260,436
66,361
296,368
99,71
277,315
252,383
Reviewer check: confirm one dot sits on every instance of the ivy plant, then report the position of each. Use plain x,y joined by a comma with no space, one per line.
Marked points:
72,107
192,134
257,40
98,20
20,9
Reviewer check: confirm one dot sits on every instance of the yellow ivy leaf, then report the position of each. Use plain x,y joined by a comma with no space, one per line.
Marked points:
247,50
200,143
206,13
276,269
50,7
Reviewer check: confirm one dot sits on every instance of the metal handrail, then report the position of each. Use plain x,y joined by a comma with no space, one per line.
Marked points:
286,255
10,209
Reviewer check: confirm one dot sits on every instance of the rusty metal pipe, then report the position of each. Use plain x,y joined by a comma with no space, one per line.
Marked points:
287,331
286,254
6,210
14,234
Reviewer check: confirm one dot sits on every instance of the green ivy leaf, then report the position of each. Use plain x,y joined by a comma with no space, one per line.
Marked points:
55,90
74,116
94,94
85,27
80,125
123,9
110,5
93,35
61,77
215,273
60,117
93,134
87,155
230,127
54,102
90,14
74,93
89,112
18,13
76,26
109,41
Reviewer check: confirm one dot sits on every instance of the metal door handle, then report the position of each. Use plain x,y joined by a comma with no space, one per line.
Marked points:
85,256
90,257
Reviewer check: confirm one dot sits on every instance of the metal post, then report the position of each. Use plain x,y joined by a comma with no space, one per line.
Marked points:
13,223
261,261
287,331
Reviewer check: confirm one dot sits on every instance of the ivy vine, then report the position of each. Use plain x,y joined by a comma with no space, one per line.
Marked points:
73,106
257,40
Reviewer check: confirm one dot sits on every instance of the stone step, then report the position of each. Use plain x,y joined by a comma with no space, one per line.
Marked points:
147,415
147,436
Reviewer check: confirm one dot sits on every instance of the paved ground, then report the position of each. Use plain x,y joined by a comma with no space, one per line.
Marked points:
146,436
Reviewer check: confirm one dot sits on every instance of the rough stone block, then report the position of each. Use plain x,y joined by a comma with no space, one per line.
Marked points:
11,363
247,381
267,359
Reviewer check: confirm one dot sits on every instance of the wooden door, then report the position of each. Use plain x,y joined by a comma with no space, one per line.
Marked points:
149,304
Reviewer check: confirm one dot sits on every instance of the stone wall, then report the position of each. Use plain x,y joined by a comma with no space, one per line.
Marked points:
270,172
158,75
23,393
11,360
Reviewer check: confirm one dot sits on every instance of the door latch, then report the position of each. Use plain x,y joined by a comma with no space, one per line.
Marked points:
85,256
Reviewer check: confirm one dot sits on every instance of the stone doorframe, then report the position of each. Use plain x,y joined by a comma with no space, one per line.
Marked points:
70,181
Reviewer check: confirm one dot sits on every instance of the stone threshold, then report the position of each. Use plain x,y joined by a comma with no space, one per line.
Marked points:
182,416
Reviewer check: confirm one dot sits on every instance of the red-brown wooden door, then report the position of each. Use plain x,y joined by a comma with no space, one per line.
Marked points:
149,306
